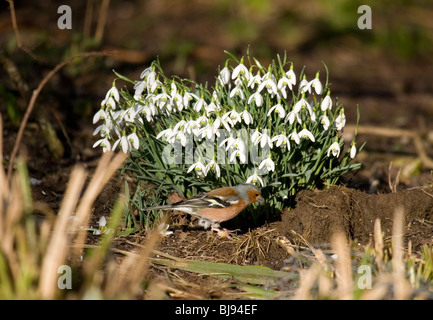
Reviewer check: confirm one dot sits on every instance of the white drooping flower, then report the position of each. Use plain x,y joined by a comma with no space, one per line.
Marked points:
304,85
282,140
241,71
306,134
237,91
255,80
295,137
224,76
278,109
198,167
257,97
254,178
316,84
324,120
104,143
302,103
284,83
268,164
340,121
353,150
326,102
200,104
213,165
261,138
291,76
335,149
100,115
247,117
268,82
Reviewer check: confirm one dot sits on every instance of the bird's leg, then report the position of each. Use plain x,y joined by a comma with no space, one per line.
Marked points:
223,233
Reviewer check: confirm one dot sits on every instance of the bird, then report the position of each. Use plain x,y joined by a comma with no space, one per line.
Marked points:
217,205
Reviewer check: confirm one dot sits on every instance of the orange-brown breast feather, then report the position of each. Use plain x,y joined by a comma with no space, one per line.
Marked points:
223,214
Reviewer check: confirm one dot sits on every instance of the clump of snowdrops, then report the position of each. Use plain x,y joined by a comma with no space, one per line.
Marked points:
255,124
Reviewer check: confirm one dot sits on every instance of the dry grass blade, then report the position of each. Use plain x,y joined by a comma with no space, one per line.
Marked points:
343,266
401,287
130,273
57,246
107,166
378,243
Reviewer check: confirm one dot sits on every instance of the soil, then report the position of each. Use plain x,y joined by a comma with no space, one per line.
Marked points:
391,92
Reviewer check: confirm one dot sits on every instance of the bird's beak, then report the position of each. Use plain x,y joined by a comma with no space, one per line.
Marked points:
261,200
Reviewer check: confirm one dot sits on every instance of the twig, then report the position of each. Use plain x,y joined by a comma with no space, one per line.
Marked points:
17,33
102,20
33,101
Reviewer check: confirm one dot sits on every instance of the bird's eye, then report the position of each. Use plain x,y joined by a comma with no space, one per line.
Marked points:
257,194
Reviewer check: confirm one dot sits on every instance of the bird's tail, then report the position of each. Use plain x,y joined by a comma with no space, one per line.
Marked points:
166,207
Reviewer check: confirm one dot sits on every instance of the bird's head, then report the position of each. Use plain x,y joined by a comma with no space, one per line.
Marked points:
249,193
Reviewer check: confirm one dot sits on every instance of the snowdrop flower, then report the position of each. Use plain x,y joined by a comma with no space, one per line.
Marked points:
133,140
282,140
241,71
304,85
224,76
247,117
177,101
269,84
326,102
306,134
257,79
335,149
295,137
291,117
112,93
316,84
213,165
139,87
268,164
257,97
238,153
302,103
163,100
278,109
226,123
237,91
254,178
282,84
291,76
199,104
211,108
325,122
163,229
104,143
191,126
187,97
169,135
262,138
198,167
340,122
145,72
102,227
353,150
180,135
310,107
100,115
123,142
234,116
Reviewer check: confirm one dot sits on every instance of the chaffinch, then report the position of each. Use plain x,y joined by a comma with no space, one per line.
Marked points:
217,205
